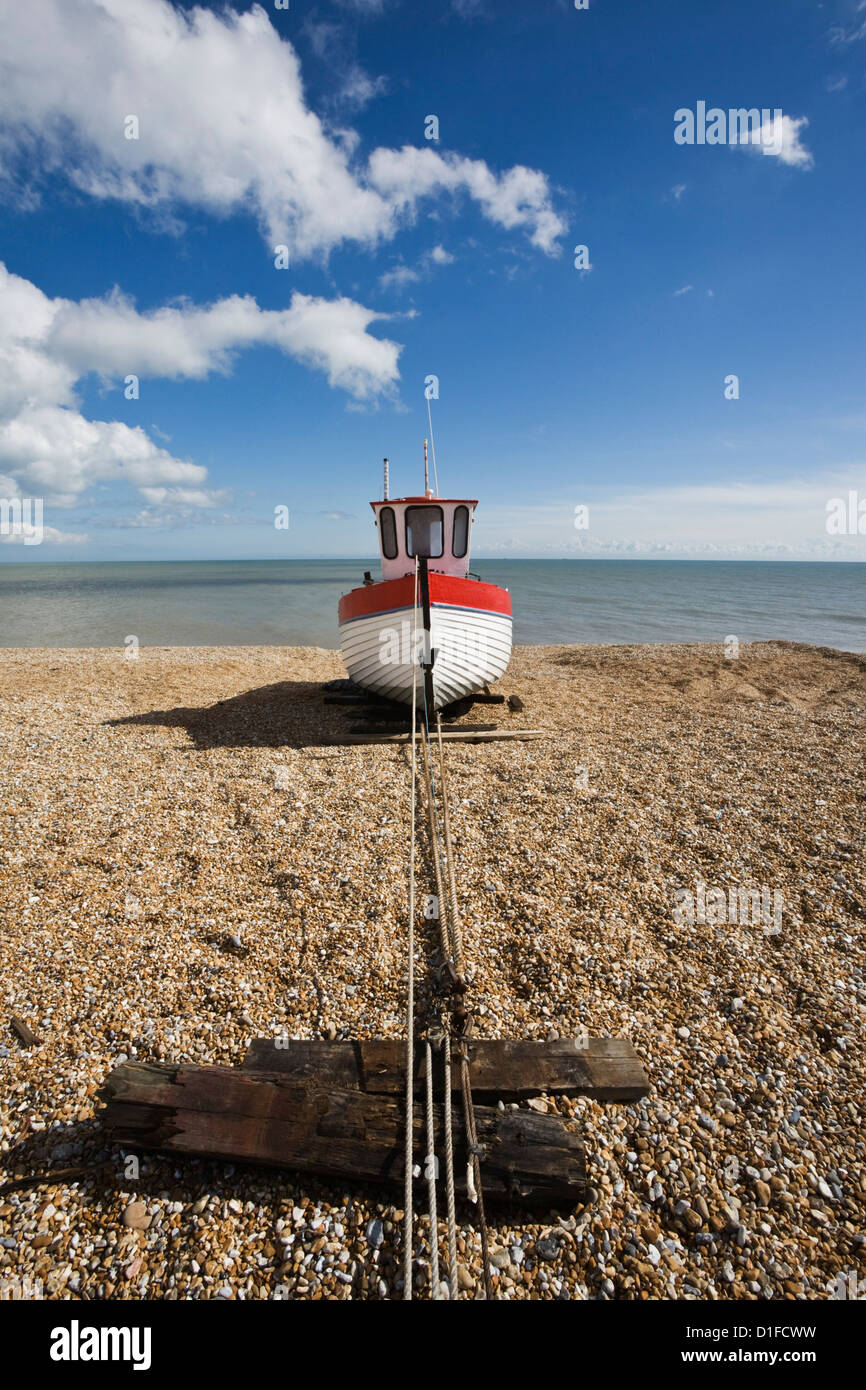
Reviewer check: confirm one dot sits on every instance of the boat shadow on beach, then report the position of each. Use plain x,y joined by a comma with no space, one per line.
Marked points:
287,714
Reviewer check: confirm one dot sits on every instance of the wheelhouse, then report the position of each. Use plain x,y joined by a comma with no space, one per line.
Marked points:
410,527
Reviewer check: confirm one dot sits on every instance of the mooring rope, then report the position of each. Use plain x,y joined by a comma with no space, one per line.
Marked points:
431,1177
451,943
453,1285
441,900
474,1183
454,913
474,1170
410,1009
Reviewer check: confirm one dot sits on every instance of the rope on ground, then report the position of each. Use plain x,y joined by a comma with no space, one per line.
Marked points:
410,1010
441,901
451,941
453,1284
431,1177
454,914
473,1176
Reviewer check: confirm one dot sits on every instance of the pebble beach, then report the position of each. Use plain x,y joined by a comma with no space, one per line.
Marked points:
188,863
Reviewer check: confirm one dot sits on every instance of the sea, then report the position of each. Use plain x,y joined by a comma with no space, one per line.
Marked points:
294,602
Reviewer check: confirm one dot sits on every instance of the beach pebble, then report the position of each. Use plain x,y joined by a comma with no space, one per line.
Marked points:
285,915
136,1216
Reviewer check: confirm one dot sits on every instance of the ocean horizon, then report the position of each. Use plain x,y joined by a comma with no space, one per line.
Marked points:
294,602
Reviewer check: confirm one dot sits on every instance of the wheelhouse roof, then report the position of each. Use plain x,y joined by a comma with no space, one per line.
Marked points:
430,501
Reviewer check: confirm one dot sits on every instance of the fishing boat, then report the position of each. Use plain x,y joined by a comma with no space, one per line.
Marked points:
428,624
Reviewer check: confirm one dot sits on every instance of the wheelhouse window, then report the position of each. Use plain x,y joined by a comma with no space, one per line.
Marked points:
425,531
388,532
460,538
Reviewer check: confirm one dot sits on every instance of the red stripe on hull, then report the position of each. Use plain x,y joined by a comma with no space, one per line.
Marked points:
391,594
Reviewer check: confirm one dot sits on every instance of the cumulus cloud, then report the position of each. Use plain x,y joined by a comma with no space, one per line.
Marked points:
110,336
223,125
518,198
49,449
780,138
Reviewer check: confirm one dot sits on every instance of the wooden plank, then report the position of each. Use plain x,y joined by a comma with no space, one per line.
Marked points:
448,736
499,1069
253,1117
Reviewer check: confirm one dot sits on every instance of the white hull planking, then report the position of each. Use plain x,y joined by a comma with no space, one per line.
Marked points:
472,649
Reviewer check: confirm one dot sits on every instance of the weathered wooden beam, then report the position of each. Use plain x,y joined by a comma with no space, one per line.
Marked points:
499,1069
253,1117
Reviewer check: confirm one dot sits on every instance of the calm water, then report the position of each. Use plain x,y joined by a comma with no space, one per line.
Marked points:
294,602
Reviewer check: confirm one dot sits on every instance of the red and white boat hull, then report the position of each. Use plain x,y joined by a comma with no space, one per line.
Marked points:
382,636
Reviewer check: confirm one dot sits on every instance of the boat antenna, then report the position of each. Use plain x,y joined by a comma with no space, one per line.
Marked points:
432,447
427,492
385,489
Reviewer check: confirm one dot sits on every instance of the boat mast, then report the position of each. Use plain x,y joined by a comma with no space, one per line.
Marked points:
429,654
385,489
427,492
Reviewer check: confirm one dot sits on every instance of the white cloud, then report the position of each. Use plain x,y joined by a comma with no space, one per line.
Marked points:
55,453
223,125
50,536
686,289
111,337
518,198
403,275
359,88
678,190
853,33
336,45
783,518
184,496
398,278
363,6
780,138
49,449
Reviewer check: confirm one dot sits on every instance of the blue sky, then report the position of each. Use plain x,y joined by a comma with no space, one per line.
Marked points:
305,127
